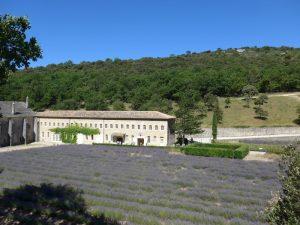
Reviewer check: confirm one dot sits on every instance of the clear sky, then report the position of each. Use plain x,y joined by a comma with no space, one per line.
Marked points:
92,30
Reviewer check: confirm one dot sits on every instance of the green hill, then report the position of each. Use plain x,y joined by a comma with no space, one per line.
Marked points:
281,108
155,83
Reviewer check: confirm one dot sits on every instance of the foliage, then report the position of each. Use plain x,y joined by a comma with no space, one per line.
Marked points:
15,50
161,188
188,116
118,105
285,208
227,102
214,126
211,101
297,121
216,150
221,73
259,102
69,134
249,91
47,204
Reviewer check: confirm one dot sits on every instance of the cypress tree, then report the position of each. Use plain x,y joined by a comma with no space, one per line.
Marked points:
214,126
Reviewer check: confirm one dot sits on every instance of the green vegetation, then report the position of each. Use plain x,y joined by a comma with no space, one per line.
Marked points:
259,102
217,150
69,134
297,121
285,207
214,126
249,91
15,50
281,112
273,149
155,83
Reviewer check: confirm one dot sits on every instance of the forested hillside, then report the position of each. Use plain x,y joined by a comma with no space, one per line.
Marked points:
155,83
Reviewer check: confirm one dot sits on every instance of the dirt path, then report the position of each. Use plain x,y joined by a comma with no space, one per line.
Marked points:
261,156
24,147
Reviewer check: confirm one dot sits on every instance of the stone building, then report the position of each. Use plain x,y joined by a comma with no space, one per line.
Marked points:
150,128
16,123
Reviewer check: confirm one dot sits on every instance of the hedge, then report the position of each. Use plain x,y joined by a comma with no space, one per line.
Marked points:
217,145
217,150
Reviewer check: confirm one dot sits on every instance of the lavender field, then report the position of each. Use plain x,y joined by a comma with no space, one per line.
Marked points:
149,185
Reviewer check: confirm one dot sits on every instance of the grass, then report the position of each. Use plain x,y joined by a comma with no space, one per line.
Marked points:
281,109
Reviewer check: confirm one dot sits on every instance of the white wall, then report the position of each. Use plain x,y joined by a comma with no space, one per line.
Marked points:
156,130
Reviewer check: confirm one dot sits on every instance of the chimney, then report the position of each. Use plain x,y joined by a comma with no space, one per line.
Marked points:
13,110
27,102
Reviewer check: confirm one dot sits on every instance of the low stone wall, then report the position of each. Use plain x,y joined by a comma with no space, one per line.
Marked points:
248,132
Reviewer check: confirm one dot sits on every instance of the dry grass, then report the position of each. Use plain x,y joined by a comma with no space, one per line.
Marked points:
281,109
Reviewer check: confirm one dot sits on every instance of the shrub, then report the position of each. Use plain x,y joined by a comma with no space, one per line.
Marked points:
217,150
285,207
47,204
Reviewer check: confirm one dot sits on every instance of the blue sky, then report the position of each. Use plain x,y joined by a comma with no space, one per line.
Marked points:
94,30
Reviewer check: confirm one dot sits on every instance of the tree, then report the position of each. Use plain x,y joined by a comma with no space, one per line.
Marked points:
284,209
214,126
188,117
118,105
227,102
15,50
96,102
259,102
210,101
249,91
297,121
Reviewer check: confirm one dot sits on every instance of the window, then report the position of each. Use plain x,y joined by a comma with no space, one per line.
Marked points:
105,125
63,124
139,126
71,124
92,137
150,127
43,134
95,125
67,124
162,127
148,139
81,124
132,126
49,124
106,137
48,135
91,125
161,139
116,125
127,126
156,127
58,124
85,124
154,138
54,124
100,125
111,126
144,127
122,126
54,138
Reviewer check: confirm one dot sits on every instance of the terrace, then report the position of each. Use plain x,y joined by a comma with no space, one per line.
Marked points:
150,185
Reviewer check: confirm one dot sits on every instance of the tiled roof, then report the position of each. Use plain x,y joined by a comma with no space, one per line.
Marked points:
20,109
148,115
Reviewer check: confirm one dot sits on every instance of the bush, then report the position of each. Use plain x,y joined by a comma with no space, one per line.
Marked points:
217,150
47,204
284,209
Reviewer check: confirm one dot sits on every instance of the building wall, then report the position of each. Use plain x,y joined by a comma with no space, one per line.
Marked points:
16,136
156,133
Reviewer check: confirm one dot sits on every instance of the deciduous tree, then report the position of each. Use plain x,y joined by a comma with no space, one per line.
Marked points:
15,50
249,91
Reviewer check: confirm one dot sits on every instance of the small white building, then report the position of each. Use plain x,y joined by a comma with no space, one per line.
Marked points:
149,128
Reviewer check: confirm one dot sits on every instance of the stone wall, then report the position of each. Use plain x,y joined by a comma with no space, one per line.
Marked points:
249,132
17,131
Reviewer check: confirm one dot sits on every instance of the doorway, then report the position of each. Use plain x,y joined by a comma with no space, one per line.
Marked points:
140,141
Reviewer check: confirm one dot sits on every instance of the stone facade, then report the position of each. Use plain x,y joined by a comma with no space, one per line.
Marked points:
16,123
155,129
